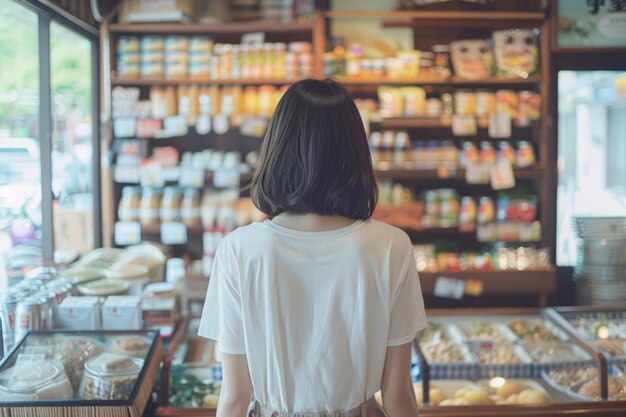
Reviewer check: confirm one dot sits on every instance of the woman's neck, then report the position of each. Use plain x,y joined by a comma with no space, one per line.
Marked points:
312,222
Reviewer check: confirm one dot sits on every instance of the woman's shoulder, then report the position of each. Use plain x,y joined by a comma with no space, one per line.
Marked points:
387,233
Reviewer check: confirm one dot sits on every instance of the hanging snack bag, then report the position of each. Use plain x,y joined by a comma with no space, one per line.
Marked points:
472,59
516,52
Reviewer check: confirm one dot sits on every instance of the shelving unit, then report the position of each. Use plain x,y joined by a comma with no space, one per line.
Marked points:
442,27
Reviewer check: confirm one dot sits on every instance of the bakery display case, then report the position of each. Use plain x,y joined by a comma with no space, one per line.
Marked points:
68,373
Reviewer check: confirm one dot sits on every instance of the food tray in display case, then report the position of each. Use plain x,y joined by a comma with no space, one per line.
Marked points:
446,353
80,373
604,328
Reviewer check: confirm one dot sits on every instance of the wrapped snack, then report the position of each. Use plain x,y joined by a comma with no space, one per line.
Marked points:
516,52
472,59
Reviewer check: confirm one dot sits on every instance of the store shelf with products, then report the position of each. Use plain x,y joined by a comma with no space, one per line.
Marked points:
445,173
210,29
446,82
135,81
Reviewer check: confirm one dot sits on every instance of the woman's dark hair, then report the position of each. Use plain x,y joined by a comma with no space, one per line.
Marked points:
315,157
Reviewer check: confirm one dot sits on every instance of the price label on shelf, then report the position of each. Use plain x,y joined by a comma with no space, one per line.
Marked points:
499,125
502,176
463,125
191,177
226,178
127,233
446,287
474,287
481,345
173,233
477,173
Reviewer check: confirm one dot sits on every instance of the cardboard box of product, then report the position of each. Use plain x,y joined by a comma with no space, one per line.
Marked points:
73,229
122,312
79,313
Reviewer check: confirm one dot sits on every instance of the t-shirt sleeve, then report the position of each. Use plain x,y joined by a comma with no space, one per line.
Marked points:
222,314
407,315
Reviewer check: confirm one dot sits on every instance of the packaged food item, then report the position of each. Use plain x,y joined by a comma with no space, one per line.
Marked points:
448,208
520,210
525,155
410,62
441,61
190,208
391,101
72,352
516,52
414,101
485,103
122,312
136,276
128,208
160,303
465,102
486,210
200,44
508,102
149,206
506,152
170,204
467,216
29,315
570,376
36,380
80,313
151,69
127,44
472,59
434,107
129,70
529,105
487,153
110,376
470,154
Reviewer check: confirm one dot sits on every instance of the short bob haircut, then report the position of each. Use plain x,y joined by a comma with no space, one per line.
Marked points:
315,157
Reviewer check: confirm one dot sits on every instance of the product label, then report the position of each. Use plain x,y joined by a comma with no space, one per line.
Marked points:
502,176
127,233
449,288
173,233
481,345
24,321
499,125
168,215
477,173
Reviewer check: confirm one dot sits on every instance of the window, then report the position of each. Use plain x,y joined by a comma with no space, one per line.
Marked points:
592,151
49,145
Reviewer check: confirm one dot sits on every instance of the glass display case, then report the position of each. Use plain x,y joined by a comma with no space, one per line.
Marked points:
75,371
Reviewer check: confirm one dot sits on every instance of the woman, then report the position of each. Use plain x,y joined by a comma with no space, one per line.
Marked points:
314,310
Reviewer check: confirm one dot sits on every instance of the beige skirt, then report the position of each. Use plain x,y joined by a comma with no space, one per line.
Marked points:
369,408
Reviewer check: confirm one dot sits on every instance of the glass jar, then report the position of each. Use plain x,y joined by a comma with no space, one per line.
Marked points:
110,376
128,208
190,208
149,207
36,380
170,204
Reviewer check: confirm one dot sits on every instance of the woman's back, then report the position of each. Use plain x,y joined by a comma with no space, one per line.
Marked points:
314,311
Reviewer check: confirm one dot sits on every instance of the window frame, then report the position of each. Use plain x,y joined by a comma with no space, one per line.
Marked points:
45,16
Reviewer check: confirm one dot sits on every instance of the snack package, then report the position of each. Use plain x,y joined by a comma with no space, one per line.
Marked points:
516,52
472,59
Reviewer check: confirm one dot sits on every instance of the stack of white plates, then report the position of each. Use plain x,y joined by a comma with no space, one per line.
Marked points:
601,271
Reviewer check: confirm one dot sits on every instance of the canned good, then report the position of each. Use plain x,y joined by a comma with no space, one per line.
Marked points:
28,314
8,303
465,103
51,308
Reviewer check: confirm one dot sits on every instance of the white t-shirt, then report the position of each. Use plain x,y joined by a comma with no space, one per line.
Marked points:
314,311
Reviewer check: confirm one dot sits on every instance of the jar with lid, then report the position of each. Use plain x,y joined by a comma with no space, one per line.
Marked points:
36,380
170,204
190,208
441,60
128,208
110,377
149,207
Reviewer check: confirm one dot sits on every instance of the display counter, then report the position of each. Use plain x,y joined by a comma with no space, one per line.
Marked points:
490,362
67,373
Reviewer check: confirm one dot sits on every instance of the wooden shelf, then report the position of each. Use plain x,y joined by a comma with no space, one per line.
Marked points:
530,173
127,81
210,28
155,230
453,81
437,15
426,123
498,282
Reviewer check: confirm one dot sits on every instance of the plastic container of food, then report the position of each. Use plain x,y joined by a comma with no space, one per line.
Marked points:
35,380
110,377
